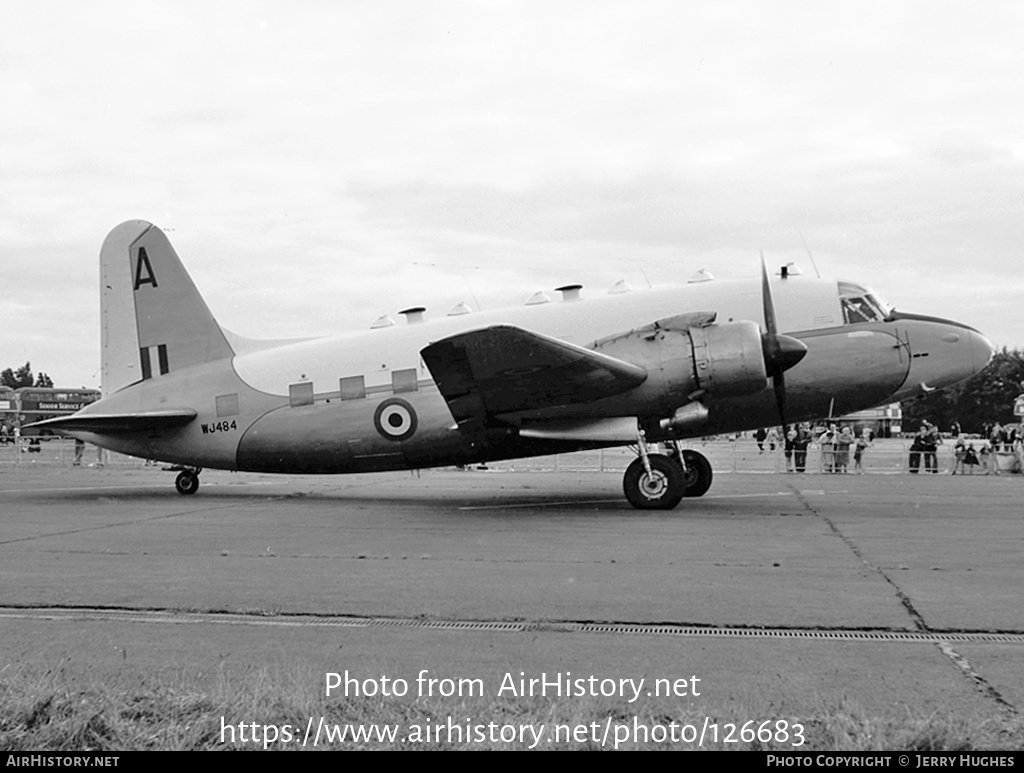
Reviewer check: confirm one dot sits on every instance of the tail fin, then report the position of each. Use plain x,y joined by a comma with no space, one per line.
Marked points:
154,321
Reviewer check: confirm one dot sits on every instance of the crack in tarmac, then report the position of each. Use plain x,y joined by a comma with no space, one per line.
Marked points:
958,660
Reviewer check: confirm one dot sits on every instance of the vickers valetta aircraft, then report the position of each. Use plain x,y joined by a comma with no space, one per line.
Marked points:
640,368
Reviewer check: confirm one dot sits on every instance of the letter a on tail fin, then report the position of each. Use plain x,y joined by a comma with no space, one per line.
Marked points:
154,320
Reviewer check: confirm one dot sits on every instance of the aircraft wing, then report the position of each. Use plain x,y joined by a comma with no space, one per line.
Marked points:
105,423
505,369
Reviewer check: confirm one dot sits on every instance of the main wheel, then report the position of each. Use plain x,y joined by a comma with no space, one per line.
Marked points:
187,482
662,489
697,477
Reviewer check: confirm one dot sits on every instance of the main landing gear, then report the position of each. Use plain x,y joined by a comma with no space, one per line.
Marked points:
655,481
187,481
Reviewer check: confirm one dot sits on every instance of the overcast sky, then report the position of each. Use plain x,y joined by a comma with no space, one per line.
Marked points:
318,164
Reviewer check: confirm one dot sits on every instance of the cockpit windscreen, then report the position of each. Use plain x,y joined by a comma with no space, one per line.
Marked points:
861,304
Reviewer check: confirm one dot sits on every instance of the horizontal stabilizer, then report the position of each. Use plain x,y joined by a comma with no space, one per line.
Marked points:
106,423
505,369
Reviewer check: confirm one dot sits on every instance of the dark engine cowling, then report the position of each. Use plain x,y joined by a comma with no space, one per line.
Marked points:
728,360
689,358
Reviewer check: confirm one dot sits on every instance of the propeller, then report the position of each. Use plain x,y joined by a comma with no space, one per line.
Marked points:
781,352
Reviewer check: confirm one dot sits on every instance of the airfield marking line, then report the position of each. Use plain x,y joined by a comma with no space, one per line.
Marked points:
520,505
749,496
77,488
135,522
584,502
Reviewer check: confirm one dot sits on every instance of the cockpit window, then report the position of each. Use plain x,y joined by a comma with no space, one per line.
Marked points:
861,304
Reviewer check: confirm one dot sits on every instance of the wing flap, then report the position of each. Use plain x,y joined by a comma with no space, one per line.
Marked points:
104,423
620,429
504,369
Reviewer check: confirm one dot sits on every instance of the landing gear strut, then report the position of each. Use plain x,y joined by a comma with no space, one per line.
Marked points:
660,481
187,481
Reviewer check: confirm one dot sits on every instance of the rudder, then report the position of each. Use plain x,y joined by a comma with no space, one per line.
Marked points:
153,319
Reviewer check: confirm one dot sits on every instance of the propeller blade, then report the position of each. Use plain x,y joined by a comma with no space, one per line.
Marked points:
781,352
780,400
767,300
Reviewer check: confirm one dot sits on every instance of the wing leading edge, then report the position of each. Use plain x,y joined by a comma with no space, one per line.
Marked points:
504,369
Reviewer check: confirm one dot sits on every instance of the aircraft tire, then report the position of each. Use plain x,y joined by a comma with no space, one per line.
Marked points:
661,490
698,475
187,483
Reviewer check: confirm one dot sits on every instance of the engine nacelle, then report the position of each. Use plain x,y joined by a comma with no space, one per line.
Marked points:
690,358
728,359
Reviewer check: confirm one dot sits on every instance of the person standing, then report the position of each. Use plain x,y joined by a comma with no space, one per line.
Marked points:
789,447
995,436
932,441
800,443
971,458
843,441
858,450
959,457
826,441
988,460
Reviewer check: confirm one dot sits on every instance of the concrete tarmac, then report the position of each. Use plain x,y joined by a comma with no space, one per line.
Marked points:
785,595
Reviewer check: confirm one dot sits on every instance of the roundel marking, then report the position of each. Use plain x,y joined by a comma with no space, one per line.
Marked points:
395,419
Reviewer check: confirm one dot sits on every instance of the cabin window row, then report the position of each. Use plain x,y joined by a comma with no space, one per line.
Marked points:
354,387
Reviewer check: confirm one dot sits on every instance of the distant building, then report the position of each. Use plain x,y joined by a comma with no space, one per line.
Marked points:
883,421
39,403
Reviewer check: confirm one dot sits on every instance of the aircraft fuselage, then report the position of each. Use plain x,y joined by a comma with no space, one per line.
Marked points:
366,401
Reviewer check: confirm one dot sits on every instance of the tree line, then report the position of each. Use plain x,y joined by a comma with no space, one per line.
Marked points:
22,377
977,403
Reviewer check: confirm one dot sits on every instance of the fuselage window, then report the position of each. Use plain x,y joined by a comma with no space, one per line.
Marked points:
404,381
227,405
352,387
300,394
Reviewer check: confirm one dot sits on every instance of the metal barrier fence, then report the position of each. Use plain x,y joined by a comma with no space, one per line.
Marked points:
884,456
61,452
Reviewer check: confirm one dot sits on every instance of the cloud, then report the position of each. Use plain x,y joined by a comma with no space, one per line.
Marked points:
319,162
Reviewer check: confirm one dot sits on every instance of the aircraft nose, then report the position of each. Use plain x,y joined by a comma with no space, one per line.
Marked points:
982,351
943,352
